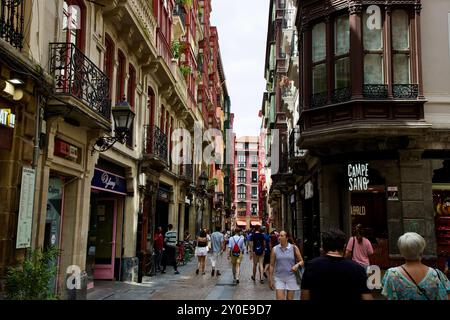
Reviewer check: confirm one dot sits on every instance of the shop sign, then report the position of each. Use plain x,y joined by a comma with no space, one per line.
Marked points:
358,176
109,182
26,208
358,210
7,118
392,193
309,190
66,150
162,194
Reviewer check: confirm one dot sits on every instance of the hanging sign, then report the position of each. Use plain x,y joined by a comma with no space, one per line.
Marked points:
7,119
358,176
26,208
107,181
392,193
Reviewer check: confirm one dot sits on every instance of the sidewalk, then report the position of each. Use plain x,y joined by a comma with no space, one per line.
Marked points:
189,286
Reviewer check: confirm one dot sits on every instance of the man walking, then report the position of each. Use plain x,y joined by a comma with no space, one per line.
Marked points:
332,277
170,241
236,245
217,246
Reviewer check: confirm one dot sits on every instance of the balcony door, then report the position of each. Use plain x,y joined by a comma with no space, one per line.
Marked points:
73,22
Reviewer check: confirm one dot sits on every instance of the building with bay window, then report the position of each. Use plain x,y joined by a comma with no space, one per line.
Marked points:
373,93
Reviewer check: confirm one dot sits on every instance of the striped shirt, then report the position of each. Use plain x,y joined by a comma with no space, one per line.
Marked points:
171,238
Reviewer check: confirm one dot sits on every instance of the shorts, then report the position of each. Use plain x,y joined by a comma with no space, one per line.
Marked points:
235,260
266,258
286,284
201,251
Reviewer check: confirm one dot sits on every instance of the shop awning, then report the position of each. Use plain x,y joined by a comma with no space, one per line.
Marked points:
241,223
255,223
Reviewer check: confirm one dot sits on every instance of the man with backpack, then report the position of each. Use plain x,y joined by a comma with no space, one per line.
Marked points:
258,245
236,245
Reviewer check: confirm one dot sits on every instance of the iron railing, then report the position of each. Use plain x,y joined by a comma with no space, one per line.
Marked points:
341,95
155,143
405,91
77,76
375,91
12,21
187,172
319,99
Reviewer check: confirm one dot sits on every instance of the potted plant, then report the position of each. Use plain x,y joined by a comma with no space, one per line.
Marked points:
212,183
32,280
186,3
176,49
185,70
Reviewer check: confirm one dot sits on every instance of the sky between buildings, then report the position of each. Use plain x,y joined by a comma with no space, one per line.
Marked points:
242,27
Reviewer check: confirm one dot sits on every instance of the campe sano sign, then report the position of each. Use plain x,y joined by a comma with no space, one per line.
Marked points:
358,176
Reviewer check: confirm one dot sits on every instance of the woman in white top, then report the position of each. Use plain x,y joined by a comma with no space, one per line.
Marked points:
285,259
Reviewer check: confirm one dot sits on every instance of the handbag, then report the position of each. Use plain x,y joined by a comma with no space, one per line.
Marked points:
299,275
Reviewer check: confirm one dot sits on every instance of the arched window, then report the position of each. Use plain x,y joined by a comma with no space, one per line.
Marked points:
74,22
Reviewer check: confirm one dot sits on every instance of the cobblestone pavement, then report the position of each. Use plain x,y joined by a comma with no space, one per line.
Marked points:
189,286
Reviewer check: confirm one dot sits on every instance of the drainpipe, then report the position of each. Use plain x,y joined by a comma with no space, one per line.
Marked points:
37,133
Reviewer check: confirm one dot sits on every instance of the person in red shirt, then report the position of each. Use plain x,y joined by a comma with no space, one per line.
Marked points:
359,248
158,245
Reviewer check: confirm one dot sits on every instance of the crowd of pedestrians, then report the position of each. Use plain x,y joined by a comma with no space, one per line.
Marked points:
340,273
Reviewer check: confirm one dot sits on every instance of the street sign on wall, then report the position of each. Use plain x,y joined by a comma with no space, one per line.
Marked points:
25,222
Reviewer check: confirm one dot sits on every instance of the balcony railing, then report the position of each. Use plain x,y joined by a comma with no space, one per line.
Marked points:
11,22
375,91
341,95
180,12
187,172
318,99
405,91
77,76
164,49
155,143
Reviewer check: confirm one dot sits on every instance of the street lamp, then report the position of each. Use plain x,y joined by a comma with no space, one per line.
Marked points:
123,117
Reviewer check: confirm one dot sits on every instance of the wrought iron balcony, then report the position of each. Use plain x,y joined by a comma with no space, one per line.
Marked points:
187,172
318,99
11,22
155,144
341,95
375,91
405,91
77,76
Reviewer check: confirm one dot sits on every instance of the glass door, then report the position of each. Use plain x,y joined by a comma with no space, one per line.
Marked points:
53,221
103,236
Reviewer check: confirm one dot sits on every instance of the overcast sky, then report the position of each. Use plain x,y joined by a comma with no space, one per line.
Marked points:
242,27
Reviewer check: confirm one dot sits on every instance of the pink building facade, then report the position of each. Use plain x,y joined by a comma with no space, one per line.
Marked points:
246,177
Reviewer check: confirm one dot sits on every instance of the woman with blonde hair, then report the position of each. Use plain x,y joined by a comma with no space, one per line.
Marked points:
414,280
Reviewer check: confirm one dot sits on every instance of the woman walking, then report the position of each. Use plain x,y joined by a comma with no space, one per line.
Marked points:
285,259
201,251
414,280
359,248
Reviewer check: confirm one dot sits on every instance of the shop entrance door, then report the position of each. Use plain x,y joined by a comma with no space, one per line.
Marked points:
105,213
369,209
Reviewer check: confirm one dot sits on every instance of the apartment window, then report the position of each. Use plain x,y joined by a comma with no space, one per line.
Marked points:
254,161
401,47
241,193
108,61
246,146
342,53
254,176
241,160
319,71
373,52
254,209
131,98
120,78
241,176
254,192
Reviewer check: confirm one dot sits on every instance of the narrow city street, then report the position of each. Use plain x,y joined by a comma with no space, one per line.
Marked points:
188,286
